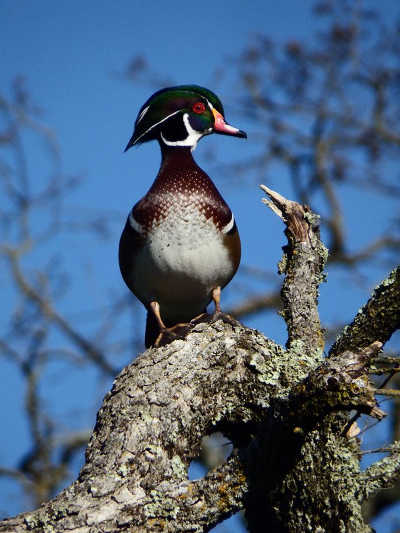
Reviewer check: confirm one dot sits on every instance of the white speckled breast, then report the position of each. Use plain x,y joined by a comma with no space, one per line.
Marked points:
183,259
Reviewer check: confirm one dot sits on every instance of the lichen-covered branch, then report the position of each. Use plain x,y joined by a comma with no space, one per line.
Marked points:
377,320
340,383
303,263
383,473
150,428
283,409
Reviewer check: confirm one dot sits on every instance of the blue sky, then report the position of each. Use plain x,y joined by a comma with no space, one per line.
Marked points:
72,55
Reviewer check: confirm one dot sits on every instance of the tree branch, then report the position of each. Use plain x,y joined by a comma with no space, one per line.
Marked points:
279,407
383,473
303,264
255,304
377,320
92,352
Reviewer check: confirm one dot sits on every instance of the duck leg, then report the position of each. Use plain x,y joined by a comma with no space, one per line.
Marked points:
218,314
216,297
165,335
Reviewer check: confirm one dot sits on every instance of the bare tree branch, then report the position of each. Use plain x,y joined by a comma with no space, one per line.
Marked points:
303,274
377,320
383,473
44,305
255,304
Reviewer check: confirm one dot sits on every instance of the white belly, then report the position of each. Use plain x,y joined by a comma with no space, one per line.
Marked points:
182,262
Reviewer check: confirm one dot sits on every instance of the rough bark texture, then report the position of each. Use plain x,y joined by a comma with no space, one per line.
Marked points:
377,320
293,468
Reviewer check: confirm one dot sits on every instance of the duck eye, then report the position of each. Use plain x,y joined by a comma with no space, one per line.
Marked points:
199,107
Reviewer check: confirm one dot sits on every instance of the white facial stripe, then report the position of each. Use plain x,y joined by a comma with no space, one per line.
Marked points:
134,224
156,124
229,226
191,140
142,114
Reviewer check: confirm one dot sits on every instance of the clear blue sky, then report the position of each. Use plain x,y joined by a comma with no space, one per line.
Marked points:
72,54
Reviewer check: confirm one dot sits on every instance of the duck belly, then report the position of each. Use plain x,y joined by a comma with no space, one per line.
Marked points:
183,260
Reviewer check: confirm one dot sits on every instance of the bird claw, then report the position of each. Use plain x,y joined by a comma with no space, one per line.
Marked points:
203,317
210,319
167,335
219,315
179,331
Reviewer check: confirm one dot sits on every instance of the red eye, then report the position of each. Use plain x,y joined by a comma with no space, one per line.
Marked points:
199,107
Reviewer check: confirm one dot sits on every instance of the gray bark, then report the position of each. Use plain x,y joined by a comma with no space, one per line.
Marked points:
294,467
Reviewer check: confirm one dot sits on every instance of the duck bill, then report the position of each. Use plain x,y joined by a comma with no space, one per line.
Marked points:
220,126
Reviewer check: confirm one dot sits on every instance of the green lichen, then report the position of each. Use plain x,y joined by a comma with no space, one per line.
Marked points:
161,506
123,470
178,467
268,374
282,265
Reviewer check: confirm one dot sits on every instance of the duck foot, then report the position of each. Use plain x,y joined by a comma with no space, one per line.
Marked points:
218,314
228,319
203,317
167,335
210,319
179,331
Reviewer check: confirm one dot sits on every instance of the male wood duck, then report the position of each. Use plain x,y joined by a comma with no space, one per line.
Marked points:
180,245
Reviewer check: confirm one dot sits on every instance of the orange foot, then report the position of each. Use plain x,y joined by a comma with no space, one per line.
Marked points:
167,335
218,314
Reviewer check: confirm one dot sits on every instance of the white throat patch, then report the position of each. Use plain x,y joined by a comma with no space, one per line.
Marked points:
191,140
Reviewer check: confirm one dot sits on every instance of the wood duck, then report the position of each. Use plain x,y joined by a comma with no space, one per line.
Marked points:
180,245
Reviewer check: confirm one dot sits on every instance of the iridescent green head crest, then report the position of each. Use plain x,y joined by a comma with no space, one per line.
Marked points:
202,108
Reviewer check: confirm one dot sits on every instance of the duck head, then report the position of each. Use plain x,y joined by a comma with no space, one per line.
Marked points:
181,116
